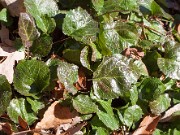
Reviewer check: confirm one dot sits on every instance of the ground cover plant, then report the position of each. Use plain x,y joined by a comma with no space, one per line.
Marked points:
94,67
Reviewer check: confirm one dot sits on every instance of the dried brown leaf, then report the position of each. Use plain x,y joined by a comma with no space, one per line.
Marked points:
148,125
6,128
168,114
7,66
4,35
56,115
15,7
134,53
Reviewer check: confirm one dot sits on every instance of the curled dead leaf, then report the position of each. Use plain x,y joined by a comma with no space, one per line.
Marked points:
147,125
135,53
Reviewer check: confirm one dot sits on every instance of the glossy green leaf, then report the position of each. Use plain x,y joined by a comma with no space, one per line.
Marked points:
79,25
36,105
31,77
161,104
41,7
27,29
117,36
46,23
68,75
114,76
107,116
5,94
41,46
132,114
84,59
151,88
84,104
154,31
169,67
20,107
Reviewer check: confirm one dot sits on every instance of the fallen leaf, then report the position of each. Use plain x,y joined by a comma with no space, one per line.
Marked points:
6,128
15,7
81,83
148,125
4,35
75,129
178,28
169,113
7,66
55,116
134,53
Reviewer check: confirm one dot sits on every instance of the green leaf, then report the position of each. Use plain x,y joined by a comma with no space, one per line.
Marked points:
3,15
42,11
46,23
107,116
41,46
161,104
117,36
41,7
114,76
79,25
98,5
169,67
84,57
132,114
20,107
36,105
5,94
27,29
84,104
151,88
68,75
101,131
123,6
134,95
31,77
96,55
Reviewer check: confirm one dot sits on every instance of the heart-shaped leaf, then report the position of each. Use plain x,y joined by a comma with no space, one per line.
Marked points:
80,25
31,77
115,75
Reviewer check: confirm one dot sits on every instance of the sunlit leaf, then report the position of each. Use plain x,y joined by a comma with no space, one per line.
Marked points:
132,114
68,77
161,104
20,107
84,104
115,75
84,57
31,77
79,25
5,94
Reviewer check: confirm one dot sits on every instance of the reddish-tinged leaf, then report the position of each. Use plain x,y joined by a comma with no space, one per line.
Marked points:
22,123
81,83
148,125
133,53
